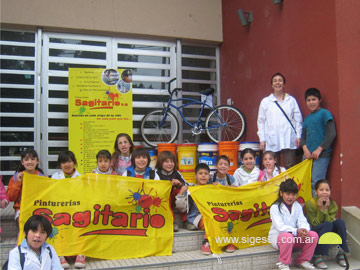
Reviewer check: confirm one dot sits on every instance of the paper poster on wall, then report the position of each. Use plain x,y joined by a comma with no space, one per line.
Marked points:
100,107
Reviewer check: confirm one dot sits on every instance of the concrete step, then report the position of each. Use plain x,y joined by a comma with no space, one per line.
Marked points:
256,258
187,255
351,216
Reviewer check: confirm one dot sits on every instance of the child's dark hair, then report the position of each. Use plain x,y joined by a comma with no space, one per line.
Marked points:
33,223
277,74
163,156
246,151
103,154
29,152
224,158
272,154
66,156
140,152
322,181
312,92
289,186
117,153
202,166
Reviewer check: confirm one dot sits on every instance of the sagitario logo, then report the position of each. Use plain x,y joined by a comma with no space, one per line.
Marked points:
97,103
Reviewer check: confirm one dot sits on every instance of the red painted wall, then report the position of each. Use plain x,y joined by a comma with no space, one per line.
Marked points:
348,42
298,39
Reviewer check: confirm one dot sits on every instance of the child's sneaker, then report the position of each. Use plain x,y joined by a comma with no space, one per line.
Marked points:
306,265
176,227
282,266
189,226
340,259
205,249
230,249
80,261
319,262
63,262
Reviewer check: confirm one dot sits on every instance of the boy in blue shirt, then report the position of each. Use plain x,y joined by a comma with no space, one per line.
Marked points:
317,136
185,202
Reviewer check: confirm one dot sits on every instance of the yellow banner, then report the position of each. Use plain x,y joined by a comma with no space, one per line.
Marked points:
100,107
241,216
102,216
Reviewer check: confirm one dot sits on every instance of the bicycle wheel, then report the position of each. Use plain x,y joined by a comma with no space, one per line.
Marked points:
153,132
225,123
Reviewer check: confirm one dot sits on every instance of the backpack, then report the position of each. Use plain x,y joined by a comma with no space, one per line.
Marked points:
151,174
227,179
22,259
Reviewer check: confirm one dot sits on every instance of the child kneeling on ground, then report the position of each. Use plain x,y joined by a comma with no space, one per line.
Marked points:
185,202
290,228
166,168
33,252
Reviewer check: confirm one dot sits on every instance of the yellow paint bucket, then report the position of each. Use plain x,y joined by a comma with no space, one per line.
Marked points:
186,156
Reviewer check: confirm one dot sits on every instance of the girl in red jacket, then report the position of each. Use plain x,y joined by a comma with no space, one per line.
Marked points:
29,164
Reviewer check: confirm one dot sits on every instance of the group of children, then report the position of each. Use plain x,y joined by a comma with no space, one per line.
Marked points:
288,220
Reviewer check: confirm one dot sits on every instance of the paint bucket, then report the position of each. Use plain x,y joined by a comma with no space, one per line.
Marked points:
208,153
153,158
230,149
254,146
166,147
188,175
186,156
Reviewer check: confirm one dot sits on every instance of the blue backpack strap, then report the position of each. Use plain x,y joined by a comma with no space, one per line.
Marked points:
22,258
152,174
228,180
50,253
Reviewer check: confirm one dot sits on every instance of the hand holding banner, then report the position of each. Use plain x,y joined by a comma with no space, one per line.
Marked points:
99,215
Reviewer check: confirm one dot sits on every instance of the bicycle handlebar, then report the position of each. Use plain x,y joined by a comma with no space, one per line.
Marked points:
173,79
174,90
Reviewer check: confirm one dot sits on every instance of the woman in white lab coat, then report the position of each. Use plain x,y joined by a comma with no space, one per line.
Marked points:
280,122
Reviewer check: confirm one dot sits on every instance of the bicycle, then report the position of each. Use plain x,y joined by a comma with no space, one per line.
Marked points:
223,123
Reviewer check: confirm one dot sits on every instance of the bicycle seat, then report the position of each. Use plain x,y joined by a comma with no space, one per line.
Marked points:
207,92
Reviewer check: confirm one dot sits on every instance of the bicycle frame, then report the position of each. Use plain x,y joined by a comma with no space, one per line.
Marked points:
192,102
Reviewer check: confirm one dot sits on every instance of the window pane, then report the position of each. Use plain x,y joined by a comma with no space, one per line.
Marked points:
197,50
148,71
77,54
17,50
7,136
66,66
193,62
17,64
58,136
143,47
17,121
7,107
17,93
198,75
18,36
58,108
79,42
17,78
196,87
144,59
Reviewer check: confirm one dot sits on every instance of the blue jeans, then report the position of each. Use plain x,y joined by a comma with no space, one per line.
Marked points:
338,226
319,171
